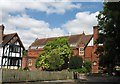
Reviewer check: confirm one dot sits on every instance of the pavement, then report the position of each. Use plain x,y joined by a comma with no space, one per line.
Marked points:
87,80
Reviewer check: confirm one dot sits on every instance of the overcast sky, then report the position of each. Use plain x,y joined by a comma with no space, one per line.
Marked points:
33,19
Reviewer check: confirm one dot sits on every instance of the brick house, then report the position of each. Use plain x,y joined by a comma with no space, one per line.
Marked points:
79,44
11,49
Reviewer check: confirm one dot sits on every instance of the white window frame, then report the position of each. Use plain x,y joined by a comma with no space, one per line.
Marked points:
29,62
33,47
81,52
73,45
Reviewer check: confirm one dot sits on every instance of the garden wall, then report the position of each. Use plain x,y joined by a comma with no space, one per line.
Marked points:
22,76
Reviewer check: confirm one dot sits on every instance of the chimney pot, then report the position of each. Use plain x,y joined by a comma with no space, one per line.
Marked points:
1,33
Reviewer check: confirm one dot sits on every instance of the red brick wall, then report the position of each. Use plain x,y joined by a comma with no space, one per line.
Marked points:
33,54
76,53
24,64
94,56
88,53
33,63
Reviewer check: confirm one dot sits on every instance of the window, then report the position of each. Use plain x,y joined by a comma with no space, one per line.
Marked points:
29,62
15,48
81,51
34,47
73,45
41,46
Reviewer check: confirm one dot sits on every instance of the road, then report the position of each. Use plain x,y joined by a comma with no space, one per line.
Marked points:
88,80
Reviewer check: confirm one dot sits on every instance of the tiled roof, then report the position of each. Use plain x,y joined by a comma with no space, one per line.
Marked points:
9,38
73,39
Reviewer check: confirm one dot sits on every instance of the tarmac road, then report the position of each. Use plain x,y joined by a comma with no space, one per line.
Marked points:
88,80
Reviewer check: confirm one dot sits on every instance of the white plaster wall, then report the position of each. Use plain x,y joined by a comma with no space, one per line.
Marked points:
91,42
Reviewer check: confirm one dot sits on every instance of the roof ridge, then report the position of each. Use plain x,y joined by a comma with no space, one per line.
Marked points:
77,38
59,36
10,34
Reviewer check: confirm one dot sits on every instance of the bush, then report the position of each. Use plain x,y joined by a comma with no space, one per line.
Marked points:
87,64
75,62
79,70
83,70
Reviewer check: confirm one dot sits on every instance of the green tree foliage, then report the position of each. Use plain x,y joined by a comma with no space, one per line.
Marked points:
75,62
56,54
109,34
25,53
80,67
42,61
88,65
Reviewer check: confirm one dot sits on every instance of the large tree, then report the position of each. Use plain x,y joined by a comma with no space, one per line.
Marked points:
109,34
55,56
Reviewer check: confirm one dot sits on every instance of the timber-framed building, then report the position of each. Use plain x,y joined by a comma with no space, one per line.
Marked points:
11,50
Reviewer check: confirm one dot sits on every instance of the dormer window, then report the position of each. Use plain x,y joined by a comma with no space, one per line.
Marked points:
33,47
81,51
73,45
41,46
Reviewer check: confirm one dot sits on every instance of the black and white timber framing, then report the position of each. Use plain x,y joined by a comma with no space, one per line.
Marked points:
11,49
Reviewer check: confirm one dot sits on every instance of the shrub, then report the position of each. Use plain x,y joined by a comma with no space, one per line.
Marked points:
83,70
75,62
79,70
87,64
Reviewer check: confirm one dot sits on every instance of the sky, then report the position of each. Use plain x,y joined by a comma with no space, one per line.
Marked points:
33,19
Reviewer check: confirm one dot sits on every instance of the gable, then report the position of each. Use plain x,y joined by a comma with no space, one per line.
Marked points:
12,39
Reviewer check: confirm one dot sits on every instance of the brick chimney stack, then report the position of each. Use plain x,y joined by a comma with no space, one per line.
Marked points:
1,33
95,59
95,32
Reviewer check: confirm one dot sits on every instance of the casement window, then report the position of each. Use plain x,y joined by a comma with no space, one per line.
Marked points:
81,51
14,48
29,62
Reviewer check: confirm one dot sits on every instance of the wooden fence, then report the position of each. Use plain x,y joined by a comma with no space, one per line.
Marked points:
23,76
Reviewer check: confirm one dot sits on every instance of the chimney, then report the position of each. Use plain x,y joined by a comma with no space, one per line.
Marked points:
1,33
95,33
95,59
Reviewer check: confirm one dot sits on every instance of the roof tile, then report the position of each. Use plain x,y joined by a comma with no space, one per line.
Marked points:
73,39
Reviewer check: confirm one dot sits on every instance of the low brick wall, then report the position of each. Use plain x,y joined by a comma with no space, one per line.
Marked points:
21,76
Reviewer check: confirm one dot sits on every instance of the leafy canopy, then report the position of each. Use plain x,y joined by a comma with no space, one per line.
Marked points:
109,34
55,54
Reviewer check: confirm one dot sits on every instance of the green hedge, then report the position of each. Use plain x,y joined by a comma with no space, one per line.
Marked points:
85,68
75,62
87,64
79,70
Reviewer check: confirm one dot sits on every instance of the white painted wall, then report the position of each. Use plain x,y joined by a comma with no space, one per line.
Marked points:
7,51
91,42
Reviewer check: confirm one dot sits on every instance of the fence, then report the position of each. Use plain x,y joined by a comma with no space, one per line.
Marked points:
0,76
23,76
